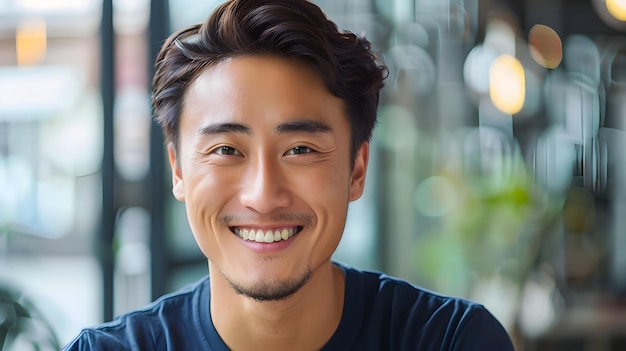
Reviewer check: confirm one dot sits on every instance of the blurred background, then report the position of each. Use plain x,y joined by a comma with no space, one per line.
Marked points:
498,168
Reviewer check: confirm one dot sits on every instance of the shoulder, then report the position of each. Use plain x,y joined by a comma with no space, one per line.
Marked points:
403,316
381,289
147,327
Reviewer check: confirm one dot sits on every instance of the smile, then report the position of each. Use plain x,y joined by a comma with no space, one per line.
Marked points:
266,236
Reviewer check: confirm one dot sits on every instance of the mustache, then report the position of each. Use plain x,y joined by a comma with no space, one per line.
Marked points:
299,218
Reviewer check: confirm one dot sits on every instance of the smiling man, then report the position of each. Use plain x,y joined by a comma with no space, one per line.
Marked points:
268,110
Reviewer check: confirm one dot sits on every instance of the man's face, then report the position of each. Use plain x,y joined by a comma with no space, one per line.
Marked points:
264,169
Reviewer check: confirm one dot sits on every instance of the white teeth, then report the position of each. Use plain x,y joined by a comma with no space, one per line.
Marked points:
261,236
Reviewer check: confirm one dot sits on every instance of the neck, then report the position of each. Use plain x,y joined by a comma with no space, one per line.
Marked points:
303,321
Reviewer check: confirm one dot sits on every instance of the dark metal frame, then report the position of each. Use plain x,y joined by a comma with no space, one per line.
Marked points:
107,225
153,196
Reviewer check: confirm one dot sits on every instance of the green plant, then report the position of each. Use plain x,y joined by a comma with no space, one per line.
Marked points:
22,327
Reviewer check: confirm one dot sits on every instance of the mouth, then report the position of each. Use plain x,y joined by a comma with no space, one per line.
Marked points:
266,235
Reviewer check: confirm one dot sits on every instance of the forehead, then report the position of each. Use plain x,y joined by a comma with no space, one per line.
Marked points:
263,88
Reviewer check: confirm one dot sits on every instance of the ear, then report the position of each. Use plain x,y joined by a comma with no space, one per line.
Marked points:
178,188
357,181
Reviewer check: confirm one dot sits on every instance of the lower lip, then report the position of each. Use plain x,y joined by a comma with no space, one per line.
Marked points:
268,247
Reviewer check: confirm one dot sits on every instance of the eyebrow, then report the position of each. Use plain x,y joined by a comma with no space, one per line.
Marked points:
222,128
303,125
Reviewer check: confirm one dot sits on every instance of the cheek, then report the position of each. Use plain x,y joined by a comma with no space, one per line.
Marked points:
327,194
330,183
205,195
204,182
195,217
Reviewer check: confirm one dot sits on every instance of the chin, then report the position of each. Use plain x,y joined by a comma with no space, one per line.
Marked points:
272,289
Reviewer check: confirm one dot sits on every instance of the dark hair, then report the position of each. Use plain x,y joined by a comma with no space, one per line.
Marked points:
286,28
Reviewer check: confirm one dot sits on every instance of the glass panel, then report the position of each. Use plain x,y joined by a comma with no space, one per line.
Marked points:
50,151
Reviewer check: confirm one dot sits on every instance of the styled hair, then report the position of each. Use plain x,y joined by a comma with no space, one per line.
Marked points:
286,28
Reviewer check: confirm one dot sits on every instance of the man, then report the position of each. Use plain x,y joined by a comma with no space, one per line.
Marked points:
268,111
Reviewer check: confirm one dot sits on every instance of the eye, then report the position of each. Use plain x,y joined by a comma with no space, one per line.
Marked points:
227,151
299,150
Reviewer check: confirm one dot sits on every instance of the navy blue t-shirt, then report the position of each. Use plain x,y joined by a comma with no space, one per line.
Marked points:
380,313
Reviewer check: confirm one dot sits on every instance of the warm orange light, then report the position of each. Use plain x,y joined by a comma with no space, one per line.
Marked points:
617,9
507,84
545,45
30,42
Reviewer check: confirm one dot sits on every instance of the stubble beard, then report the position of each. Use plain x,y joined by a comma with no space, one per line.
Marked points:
275,290
271,290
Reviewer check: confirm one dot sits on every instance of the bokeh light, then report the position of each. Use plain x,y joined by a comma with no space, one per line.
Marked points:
476,68
545,46
507,86
617,8
30,42
435,196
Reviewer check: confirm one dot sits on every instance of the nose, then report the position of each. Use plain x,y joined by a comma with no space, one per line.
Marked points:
264,186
